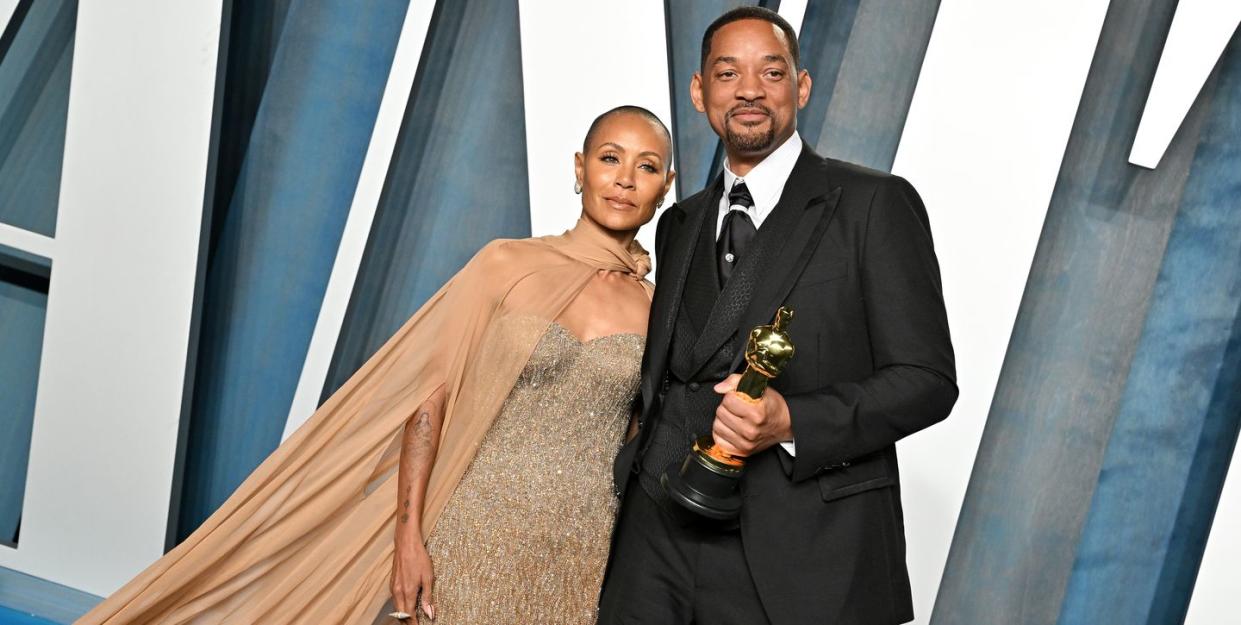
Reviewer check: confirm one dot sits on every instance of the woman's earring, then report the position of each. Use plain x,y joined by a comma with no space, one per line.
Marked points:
659,203
577,187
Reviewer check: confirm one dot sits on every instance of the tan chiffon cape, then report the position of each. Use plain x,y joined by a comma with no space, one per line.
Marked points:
308,537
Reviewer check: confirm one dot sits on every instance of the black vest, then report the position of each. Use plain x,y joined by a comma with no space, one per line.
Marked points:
689,401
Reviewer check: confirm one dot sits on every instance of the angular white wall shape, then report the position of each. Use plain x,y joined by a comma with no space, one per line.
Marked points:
579,59
26,240
361,214
1200,32
7,7
794,12
113,368
983,143
1218,584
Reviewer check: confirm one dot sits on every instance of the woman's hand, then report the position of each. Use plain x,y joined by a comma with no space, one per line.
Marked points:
412,575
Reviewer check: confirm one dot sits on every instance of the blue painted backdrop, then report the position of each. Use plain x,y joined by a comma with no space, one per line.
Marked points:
1118,406
454,184
274,243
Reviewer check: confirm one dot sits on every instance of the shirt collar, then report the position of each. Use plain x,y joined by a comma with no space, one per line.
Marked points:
766,180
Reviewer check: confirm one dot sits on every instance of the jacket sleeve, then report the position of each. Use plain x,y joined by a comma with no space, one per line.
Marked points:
661,236
914,381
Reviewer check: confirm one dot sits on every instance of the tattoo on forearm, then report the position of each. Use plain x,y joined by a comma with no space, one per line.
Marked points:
416,449
422,431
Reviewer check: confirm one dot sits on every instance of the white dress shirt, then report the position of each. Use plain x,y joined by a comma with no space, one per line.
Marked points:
766,184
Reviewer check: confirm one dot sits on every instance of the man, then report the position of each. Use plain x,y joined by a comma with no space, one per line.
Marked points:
820,538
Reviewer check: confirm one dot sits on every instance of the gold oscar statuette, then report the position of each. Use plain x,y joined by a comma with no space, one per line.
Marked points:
707,481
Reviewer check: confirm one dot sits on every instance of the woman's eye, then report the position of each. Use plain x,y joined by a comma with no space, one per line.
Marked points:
609,158
649,167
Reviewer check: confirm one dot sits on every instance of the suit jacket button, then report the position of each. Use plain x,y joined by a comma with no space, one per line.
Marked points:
693,387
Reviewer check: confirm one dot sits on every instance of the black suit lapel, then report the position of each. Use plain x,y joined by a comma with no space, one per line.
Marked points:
766,270
667,302
788,265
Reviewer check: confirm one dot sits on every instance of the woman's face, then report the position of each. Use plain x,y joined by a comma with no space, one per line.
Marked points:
624,173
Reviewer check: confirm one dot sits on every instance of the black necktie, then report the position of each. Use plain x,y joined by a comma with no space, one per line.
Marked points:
736,232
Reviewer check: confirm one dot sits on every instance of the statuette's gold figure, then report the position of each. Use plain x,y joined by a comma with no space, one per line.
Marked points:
767,353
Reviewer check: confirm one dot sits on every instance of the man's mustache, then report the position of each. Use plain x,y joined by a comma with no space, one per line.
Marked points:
749,108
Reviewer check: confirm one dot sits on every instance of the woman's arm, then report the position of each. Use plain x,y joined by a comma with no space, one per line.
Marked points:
412,571
633,424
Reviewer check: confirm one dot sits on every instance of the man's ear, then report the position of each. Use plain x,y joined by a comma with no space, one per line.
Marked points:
695,92
803,88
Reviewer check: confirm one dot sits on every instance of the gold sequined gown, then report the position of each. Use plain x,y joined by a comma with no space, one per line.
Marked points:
524,538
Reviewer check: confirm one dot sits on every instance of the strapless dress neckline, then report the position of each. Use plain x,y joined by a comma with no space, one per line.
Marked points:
558,326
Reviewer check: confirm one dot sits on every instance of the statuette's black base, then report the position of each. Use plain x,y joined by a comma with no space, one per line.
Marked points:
705,486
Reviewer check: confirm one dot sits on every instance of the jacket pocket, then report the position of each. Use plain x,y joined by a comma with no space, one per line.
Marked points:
853,479
823,271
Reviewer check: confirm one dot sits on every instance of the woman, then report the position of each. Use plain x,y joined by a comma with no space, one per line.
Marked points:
487,424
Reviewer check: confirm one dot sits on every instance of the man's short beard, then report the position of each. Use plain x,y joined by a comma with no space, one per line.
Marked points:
750,142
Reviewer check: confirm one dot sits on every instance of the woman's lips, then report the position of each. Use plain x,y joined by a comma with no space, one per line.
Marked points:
620,203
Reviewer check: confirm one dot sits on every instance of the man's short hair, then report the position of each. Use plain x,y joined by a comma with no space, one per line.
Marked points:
751,13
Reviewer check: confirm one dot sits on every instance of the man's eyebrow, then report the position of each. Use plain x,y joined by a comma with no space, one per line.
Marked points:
770,58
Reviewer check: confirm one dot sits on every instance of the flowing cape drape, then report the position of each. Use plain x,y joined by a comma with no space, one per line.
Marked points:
308,537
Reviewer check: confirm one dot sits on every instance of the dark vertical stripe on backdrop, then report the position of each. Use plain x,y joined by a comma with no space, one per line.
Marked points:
205,245
277,240
457,180
254,35
1075,337
23,310
696,145
1175,432
864,59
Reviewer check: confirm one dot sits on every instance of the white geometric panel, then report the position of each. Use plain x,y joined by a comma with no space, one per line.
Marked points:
121,296
7,7
983,143
579,59
1214,599
26,240
1200,32
794,12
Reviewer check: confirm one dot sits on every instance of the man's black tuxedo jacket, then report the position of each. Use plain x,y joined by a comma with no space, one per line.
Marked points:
823,531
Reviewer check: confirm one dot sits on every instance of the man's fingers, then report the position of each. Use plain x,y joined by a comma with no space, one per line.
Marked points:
728,384
728,448
744,422
728,439
745,409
